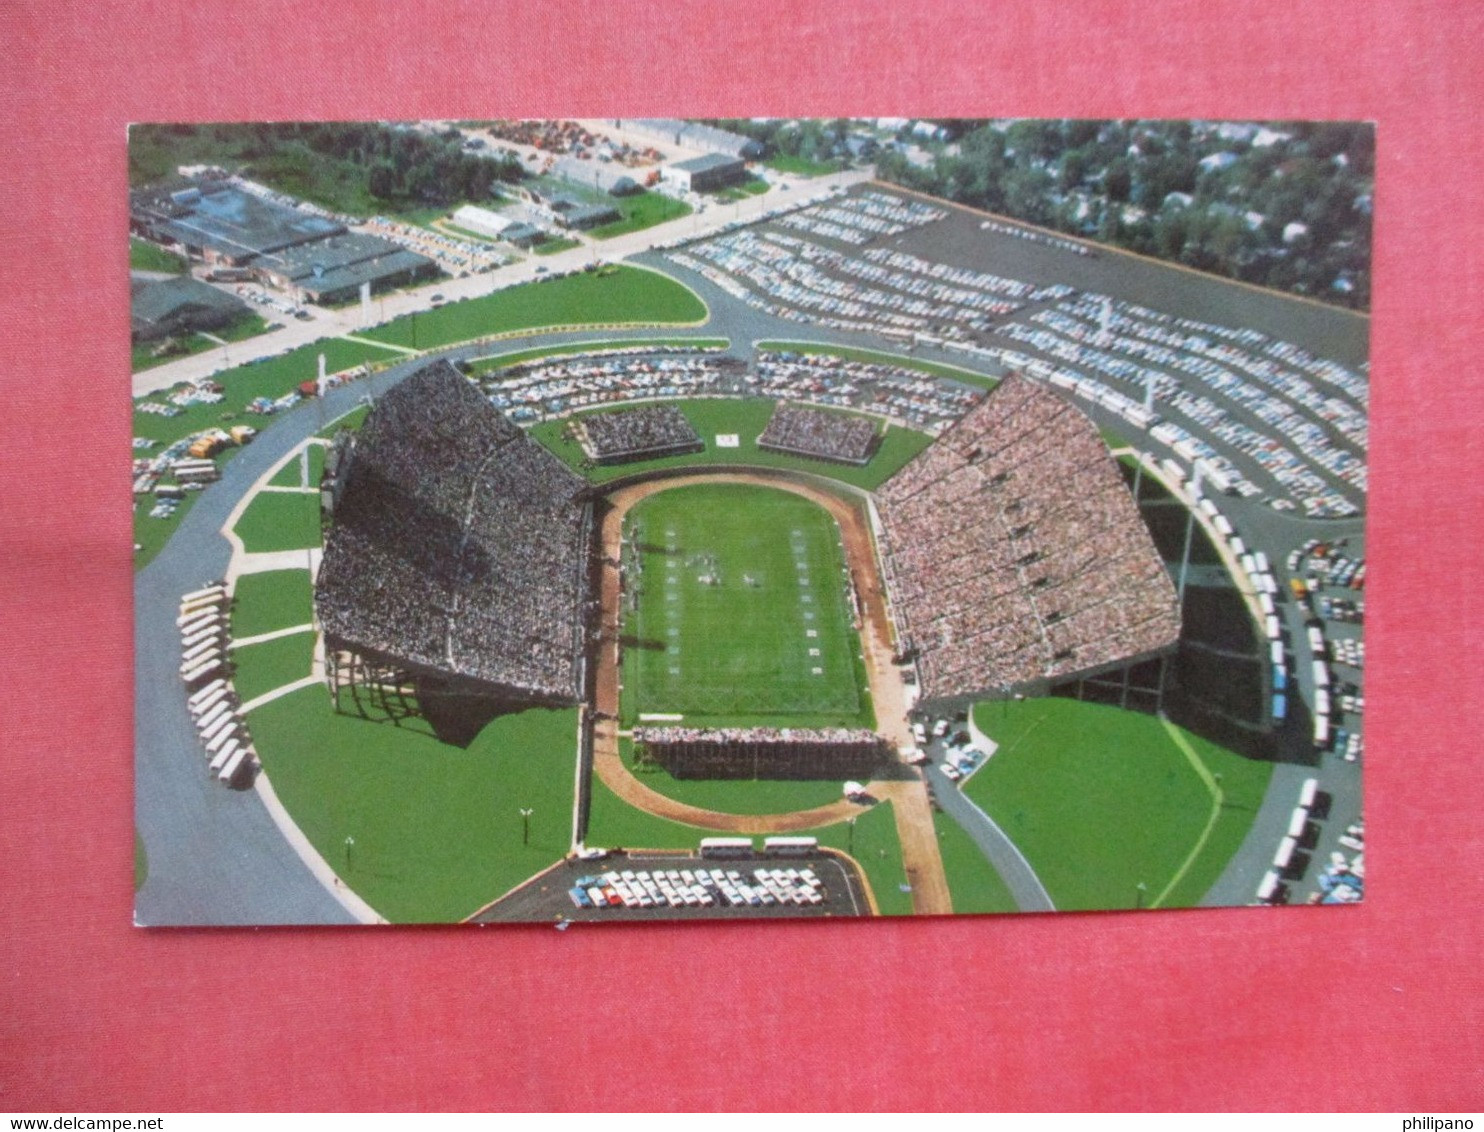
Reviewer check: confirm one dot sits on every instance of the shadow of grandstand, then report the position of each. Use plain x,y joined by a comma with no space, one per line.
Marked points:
630,641
654,548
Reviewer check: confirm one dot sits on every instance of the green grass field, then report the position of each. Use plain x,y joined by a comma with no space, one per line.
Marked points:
770,637
973,884
752,187
745,418
801,166
271,664
292,474
902,361
141,862
640,211
279,521
626,295
276,599
1102,801
145,256
500,361
436,829
271,377
250,325
551,247
735,795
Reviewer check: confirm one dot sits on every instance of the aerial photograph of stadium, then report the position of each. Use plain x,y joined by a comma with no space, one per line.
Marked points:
631,519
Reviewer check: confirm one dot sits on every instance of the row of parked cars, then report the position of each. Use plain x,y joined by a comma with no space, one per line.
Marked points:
698,888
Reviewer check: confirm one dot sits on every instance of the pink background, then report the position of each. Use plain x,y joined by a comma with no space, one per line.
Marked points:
1373,1007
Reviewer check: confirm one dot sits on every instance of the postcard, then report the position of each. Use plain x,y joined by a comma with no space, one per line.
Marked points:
637,519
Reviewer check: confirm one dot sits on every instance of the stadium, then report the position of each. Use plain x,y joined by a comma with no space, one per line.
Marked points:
945,623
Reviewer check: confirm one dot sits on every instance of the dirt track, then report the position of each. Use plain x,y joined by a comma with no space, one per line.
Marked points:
913,814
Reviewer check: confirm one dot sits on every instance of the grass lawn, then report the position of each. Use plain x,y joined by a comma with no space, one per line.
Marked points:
973,883
292,474
272,600
735,795
271,664
269,377
801,166
624,295
1102,801
501,361
141,862
437,829
901,361
614,823
772,637
250,325
142,354
279,521
640,211
551,247
145,256
746,418
878,852
752,187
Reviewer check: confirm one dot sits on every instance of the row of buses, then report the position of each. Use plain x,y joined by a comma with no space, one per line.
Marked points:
211,701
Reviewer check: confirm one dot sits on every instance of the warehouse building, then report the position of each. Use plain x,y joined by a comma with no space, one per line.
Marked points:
222,225
179,306
703,174
333,270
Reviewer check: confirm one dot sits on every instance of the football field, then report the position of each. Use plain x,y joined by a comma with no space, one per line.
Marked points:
737,610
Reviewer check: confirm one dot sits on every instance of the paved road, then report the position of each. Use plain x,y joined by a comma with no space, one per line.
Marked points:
215,855
348,320
1030,895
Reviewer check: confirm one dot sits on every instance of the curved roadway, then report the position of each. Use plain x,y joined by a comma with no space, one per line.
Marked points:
216,856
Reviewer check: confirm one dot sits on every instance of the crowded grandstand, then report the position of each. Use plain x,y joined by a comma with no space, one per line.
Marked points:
645,433
1014,552
457,546
820,435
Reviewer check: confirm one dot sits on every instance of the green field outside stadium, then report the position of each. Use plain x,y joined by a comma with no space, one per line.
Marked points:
1112,808
742,610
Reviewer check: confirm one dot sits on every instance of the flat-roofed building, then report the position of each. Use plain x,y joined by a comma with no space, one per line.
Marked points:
707,172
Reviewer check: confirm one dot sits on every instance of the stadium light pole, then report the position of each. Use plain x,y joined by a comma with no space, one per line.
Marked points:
525,825
1189,532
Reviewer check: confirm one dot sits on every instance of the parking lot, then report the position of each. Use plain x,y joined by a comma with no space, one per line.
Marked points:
660,886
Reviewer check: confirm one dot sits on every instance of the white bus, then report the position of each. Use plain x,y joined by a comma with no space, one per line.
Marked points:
790,846
726,846
197,698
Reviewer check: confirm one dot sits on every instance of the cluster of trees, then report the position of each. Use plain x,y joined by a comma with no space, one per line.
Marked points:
1285,205
347,166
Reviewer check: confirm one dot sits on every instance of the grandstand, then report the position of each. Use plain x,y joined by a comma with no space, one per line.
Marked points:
456,559
637,434
763,752
820,435
1014,554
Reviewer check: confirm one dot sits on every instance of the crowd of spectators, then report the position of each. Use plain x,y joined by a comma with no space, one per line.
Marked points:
820,434
637,434
762,752
457,544
1014,552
